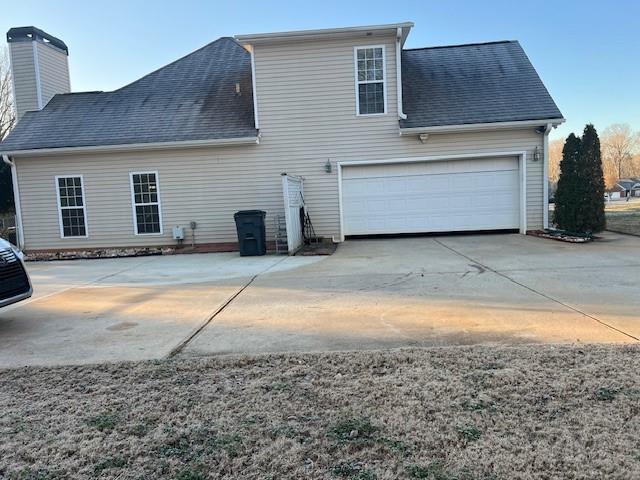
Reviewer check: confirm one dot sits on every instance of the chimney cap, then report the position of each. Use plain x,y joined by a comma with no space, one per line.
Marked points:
28,34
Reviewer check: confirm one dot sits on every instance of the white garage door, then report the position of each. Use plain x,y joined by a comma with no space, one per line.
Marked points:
442,196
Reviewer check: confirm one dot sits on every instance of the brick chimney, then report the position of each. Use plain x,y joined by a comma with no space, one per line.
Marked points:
40,67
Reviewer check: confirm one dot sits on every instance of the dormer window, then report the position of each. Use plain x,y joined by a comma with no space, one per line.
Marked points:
371,89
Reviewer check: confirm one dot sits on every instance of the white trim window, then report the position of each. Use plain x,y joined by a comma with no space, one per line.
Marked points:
72,211
145,202
371,80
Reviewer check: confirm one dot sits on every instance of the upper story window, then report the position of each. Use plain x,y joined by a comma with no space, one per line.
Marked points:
145,195
371,90
72,213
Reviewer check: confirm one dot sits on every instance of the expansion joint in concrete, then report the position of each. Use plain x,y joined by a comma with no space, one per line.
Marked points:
533,290
181,346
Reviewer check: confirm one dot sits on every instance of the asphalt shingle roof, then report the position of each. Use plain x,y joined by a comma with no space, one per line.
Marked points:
479,83
193,98
628,183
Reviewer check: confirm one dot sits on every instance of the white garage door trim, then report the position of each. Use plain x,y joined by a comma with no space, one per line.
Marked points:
522,162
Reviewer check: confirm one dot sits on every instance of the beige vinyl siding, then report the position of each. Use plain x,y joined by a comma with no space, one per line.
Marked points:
54,71
24,76
306,100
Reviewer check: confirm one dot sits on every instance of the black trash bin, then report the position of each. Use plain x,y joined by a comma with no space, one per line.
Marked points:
251,232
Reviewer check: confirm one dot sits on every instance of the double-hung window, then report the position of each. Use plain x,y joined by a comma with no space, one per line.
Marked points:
72,213
371,95
145,197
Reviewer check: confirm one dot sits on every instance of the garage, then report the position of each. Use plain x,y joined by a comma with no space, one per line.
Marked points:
431,196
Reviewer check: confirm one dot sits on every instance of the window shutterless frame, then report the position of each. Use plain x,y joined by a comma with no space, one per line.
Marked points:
357,82
134,204
61,208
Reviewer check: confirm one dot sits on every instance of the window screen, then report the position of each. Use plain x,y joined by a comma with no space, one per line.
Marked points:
370,80
71,207
146,203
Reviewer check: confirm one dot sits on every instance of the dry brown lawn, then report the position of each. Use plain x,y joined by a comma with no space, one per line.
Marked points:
623,216
569,412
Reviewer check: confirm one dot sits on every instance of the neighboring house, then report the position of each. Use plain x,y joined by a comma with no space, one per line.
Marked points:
616,192
388,140
629,187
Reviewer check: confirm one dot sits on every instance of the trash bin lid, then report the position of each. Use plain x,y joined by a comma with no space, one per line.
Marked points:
250,213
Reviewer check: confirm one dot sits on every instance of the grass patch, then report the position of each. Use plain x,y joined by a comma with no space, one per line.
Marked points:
353,471
139,429
469,433
103,422
434,470
437,470
477,405
356,429
38,474
286,431
113,462
623,216
199,443
400,425
606,394
397,446
189,474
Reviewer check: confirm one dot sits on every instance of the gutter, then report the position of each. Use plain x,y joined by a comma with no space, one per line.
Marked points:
481,126
133,147
319,33
401,114
16,200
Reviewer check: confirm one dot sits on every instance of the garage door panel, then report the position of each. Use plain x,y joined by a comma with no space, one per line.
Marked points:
429,168
431,196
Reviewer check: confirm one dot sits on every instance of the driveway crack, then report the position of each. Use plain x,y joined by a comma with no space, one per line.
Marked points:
533,290
181,346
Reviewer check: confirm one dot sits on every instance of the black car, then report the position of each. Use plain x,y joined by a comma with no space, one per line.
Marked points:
14,281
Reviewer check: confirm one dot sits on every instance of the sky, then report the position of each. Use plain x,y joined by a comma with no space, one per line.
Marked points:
587,52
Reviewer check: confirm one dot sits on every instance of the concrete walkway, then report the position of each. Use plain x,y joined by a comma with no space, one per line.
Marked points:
371,294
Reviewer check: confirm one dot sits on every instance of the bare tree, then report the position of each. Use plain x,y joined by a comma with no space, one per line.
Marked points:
555,156
619,144
7,110
7,121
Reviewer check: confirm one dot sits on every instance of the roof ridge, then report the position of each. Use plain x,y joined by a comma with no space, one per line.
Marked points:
87,92
461,45
169,64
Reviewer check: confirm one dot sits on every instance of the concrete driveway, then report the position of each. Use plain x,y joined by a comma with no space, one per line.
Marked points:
432,291
381,293
90,311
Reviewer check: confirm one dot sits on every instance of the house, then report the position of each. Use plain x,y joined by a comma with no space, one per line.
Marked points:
629,187
616,192
386,140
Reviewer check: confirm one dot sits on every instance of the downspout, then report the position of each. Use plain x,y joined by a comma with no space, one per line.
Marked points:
16,200
545,155
401,114
254,88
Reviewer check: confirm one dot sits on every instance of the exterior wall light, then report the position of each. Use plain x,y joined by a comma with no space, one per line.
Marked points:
327,166
536,155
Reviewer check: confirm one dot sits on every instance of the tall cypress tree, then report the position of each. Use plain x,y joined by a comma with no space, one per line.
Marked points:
568,192
590,216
